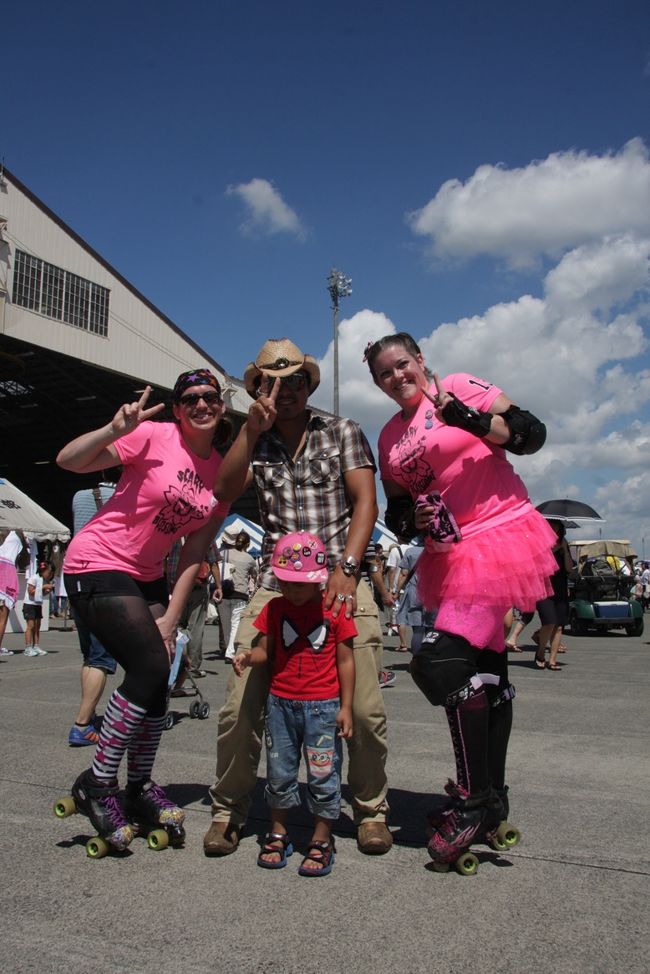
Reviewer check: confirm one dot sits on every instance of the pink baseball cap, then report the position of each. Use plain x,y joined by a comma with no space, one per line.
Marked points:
300,557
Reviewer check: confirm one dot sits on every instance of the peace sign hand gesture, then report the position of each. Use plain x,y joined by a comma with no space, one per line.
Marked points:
441,399
130,415
261,415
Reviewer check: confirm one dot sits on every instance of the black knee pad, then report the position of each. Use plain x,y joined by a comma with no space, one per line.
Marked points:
444,666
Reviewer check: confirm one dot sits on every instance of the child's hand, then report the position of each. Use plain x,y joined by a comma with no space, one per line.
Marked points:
344,723
241,662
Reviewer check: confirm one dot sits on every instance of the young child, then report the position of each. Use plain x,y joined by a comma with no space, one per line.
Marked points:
310,700
37,586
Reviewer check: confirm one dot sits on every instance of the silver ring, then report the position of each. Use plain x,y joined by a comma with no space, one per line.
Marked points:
341,597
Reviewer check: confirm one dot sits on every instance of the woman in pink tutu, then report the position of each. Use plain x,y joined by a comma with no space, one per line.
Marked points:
444,466
12,544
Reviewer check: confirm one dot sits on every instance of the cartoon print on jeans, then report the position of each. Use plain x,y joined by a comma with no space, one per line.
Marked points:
320,761
409,465
182,505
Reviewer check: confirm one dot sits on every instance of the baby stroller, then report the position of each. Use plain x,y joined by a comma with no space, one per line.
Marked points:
199,708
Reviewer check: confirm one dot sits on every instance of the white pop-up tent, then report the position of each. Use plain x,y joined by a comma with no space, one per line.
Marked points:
18,512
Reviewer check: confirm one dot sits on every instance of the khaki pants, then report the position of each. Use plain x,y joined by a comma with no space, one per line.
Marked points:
241,722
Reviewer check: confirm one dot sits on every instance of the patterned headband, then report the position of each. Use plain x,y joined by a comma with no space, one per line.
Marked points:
197,377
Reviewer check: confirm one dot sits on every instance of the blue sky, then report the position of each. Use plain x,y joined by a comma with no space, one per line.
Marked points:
481,171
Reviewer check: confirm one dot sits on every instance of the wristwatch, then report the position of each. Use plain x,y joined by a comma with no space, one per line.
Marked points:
350,566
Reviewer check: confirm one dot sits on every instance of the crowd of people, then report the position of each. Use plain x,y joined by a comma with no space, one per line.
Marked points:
302,626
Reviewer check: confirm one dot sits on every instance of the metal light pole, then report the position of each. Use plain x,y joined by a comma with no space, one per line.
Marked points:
339,286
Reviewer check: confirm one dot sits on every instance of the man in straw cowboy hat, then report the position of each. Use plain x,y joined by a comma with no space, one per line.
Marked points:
317,474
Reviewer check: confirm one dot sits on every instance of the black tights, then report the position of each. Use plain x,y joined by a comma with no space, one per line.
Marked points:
124,622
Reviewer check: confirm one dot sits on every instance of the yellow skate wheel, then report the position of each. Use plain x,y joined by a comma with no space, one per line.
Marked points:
64,807
158,839
498,844
97,848
508,834
467,864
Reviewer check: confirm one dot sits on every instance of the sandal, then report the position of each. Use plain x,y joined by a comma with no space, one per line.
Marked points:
554,667
402,649
513,649
284,851
540,663
324,855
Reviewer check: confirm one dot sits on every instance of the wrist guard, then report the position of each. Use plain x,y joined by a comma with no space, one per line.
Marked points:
399,516
456,413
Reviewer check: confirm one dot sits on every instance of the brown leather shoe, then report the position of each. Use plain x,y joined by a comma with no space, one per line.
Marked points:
374,839
221,839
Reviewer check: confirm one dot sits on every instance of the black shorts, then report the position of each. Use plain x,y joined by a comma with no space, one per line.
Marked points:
115,583
32,611
553,612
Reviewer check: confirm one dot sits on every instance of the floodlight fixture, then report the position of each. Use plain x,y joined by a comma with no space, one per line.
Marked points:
339,286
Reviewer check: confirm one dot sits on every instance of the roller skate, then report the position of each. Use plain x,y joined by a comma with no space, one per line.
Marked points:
466,821
499,833
153,815
456,827
100,804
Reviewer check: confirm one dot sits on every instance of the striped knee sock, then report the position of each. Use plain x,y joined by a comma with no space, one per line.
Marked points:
121,722
144,747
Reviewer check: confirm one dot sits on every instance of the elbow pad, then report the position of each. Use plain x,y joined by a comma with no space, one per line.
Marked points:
399,516
527,432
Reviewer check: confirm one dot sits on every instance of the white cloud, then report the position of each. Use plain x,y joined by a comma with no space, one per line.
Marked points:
598,275
267,212
566,200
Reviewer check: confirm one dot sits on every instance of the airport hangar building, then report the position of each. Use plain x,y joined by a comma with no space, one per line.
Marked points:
76,341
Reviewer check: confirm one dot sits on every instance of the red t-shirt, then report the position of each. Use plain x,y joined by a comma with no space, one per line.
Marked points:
304,648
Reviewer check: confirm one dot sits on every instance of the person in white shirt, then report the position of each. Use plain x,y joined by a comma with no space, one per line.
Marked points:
12,544
37,586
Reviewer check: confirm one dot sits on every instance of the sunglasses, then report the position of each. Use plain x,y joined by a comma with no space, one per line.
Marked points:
192,398
296,381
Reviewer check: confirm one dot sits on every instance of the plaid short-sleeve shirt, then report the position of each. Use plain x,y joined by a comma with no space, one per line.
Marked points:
310,494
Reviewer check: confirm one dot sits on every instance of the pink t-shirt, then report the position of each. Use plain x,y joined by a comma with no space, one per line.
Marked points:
475,480
165,492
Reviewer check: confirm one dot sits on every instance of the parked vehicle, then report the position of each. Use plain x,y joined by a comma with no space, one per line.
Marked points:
601,591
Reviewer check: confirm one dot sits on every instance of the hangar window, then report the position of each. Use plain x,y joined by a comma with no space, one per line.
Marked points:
27,281
52,296
60,294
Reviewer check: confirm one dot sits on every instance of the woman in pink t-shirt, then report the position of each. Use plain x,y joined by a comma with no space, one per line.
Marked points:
115,581
445,472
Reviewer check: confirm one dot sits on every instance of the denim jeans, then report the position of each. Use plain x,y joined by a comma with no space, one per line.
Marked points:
310,726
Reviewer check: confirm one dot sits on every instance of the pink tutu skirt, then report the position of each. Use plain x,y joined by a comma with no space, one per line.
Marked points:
8,583
508,565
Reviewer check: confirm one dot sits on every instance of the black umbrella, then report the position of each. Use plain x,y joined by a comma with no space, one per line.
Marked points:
565,509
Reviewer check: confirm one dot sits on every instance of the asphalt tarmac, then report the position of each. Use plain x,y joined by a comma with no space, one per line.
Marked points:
571,897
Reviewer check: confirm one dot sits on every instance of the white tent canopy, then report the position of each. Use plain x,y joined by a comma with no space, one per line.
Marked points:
18,512
236,522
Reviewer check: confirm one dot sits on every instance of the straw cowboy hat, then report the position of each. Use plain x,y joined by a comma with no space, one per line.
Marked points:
277,358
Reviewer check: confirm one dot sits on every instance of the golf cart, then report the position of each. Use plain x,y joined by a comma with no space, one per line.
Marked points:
600,592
